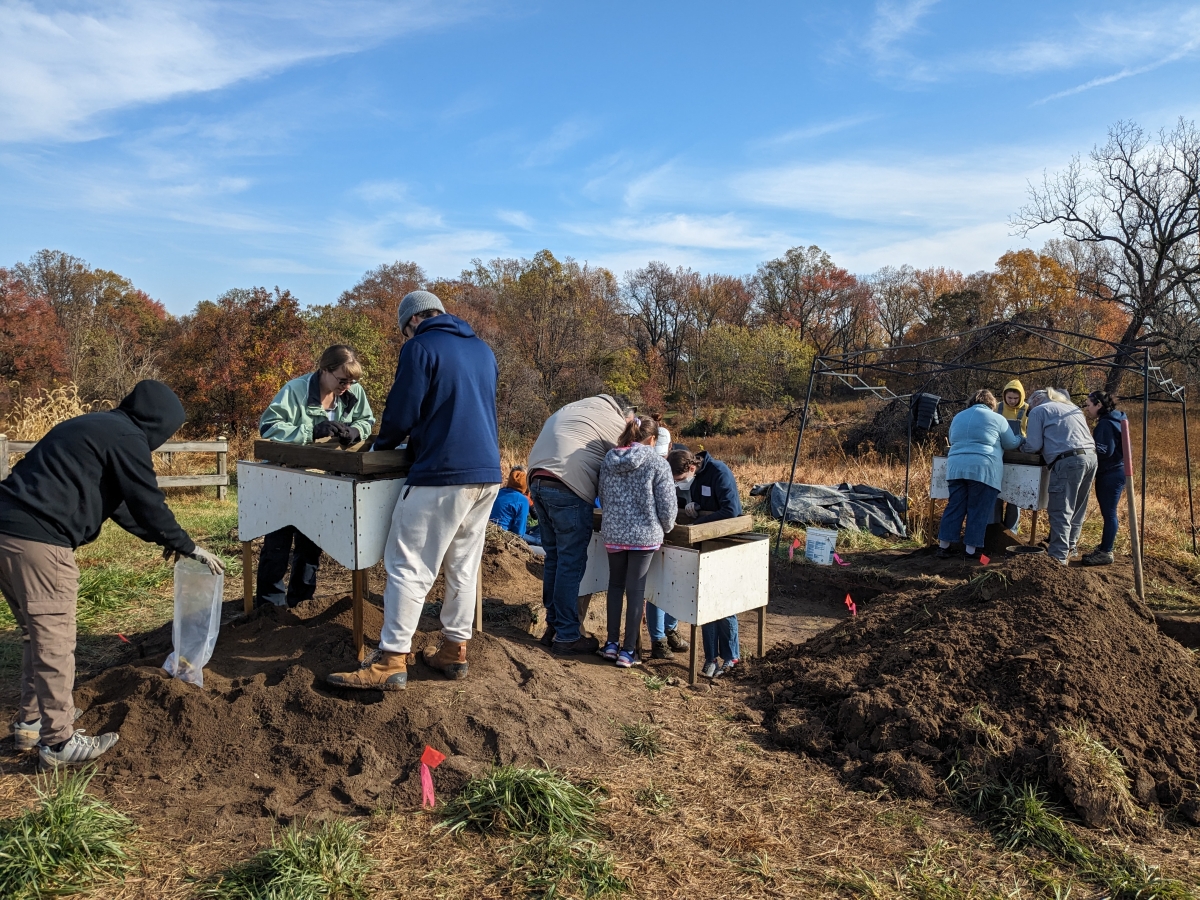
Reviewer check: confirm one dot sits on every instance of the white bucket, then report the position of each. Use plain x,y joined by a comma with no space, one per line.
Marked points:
819,544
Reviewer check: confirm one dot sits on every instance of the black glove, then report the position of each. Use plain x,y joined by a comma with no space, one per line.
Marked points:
345,433
324,429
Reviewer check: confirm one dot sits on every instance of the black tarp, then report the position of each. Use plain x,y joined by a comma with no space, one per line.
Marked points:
847,506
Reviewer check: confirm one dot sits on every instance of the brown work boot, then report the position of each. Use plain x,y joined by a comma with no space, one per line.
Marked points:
450,659
381,671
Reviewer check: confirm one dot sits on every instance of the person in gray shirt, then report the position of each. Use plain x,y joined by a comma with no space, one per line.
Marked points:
1059,431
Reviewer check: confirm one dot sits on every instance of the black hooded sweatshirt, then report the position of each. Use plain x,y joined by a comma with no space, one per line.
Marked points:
95,467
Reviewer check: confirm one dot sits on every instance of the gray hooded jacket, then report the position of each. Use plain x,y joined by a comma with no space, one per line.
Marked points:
637,494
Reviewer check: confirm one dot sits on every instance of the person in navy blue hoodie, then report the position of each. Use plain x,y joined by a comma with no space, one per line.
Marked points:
713,496
1110,470
443,403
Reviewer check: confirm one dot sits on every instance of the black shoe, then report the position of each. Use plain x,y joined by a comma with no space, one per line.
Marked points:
577,647
661,649
972,556
547,638
943,553
676,642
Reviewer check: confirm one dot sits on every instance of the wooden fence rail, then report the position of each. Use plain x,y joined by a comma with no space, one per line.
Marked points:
220,447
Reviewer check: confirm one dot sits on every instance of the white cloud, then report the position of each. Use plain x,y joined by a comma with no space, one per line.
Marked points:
808,132
565,136
516,218
64,64
894,21
723,232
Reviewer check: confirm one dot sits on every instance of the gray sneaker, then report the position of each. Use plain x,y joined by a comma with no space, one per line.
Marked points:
26,734
711,670
1098,558
79,749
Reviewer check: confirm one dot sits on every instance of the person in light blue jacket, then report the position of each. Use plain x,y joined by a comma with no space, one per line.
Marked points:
974,469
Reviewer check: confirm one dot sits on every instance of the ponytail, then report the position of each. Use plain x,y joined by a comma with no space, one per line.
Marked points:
638,430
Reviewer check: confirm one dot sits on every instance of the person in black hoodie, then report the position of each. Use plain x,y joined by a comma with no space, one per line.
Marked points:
1110,470
85,470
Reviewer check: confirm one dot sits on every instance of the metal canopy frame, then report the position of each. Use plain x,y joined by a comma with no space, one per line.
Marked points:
918,363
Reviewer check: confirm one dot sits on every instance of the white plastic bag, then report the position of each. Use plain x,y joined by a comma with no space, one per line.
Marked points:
197,620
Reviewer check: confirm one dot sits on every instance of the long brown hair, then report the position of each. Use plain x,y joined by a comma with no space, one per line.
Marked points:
639,430
340,355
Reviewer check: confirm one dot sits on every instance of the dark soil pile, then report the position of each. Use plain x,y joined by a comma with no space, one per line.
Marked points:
266,737
991,670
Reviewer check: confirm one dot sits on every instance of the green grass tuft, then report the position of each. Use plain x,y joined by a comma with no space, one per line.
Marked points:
547,865
654,682
642,738
65,843
327,862
521,801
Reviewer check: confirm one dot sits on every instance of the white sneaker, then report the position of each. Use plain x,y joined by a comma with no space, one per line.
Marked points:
710,670
79,749
26,734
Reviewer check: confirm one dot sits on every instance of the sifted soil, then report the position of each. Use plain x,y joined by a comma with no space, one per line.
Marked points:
267,737
988,670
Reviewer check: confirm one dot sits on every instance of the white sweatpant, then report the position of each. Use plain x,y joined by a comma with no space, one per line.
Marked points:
432,525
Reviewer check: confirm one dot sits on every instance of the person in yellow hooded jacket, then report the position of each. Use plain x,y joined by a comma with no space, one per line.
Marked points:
1016,411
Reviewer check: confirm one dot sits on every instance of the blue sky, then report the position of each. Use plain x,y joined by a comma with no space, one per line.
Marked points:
198,146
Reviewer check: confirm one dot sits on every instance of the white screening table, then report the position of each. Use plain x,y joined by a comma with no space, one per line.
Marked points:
699,584
347,516
1024,485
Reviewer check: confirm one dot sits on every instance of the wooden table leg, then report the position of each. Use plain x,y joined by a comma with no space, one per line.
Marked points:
762,631
247,577
692,663
1033,523
358,579
479,601
929,536
582,605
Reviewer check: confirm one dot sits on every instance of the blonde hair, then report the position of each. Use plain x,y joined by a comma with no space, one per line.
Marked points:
341,355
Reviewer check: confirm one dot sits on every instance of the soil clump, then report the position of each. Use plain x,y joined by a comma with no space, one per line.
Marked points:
995,673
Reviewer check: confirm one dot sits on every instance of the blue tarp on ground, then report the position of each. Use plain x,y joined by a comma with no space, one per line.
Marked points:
846,506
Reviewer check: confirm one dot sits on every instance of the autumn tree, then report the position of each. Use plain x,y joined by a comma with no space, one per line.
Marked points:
230,356
656,300
805,290
32,354
1137,202
897,301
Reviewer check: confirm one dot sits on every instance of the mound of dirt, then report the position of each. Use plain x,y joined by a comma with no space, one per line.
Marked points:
996,670
267,738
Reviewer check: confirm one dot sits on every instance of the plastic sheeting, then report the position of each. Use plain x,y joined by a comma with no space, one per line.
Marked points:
845,506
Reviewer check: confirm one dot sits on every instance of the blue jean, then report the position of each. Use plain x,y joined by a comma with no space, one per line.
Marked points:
974,500
658,623
273,559
566,525
721,640
1109,486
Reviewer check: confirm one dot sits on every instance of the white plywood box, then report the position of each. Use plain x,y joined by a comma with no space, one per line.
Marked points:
700,584
347,517
1025,486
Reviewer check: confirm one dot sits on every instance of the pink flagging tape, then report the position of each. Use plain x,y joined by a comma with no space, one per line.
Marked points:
984,559
122,637
792,549
851,606
430,760
837,559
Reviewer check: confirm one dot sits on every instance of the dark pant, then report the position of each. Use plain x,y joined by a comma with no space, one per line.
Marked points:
1109,486
974,500
627,571
305,557
565,521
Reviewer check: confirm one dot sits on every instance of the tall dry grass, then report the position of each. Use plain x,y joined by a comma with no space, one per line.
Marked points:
32,417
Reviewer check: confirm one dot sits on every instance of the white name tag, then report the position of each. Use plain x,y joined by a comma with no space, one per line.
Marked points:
705,490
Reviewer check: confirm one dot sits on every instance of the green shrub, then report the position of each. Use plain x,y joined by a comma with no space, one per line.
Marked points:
521,801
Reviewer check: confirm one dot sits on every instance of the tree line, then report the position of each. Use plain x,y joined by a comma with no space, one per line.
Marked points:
1125,267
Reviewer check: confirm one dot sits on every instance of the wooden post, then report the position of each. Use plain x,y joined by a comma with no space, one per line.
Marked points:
3,456
762,631
1033,524
479,601
247,577
1135,542
582,605
358,581
692,662
222,465
930,538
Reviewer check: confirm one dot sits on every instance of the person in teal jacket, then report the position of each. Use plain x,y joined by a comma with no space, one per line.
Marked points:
327,403
974,469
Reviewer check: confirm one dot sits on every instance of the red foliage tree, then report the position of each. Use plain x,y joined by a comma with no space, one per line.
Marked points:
31,340
230,356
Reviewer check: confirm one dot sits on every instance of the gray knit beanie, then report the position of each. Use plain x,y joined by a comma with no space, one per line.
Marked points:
417,302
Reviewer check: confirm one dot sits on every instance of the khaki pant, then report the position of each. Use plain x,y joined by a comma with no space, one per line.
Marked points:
41,584
434,528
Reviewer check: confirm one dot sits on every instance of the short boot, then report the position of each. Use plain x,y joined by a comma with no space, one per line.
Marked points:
381,671
1099,558
661,649
450,659
676,642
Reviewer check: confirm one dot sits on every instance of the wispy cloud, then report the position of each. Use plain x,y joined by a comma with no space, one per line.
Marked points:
517,218
808,132
894,21
64,64
720,232
564,136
